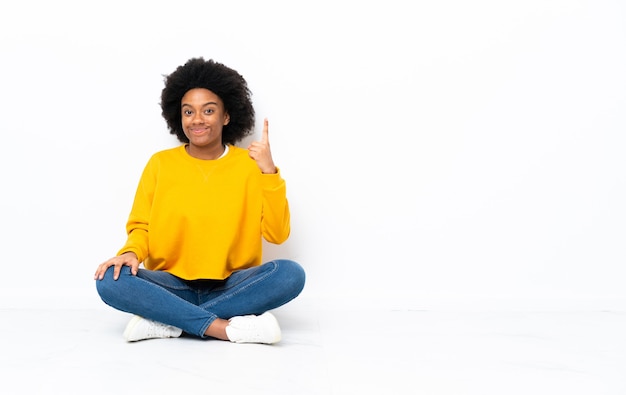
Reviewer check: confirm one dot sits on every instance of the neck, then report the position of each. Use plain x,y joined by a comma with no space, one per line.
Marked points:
205,153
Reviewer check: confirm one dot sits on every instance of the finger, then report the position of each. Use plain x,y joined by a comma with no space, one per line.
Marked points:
100,271
116,271
264,136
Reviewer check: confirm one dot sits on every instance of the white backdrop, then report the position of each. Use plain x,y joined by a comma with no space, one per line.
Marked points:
437,153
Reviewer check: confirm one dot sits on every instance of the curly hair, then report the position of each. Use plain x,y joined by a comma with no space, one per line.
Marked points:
225,82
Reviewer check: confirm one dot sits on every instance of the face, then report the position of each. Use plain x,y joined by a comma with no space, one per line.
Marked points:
203,117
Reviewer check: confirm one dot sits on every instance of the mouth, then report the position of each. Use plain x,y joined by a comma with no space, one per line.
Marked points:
197,132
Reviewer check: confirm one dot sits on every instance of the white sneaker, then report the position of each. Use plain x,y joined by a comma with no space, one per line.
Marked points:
140,328
254,329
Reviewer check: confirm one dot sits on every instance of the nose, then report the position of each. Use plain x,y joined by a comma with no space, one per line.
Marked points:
197,117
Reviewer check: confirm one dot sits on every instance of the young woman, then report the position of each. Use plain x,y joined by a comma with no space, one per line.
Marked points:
198,218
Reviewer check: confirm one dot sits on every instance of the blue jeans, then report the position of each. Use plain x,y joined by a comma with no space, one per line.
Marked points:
192,305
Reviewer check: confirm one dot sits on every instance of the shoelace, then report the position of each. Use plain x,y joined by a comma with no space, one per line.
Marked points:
157,329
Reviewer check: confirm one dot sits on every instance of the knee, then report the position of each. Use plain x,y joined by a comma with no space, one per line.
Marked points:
293,275
108,287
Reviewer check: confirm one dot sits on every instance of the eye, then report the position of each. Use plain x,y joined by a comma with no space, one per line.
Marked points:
209,111
187,112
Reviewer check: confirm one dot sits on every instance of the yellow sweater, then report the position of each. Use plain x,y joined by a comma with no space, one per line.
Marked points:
204,219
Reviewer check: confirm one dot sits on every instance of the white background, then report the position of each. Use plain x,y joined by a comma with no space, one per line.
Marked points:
437,153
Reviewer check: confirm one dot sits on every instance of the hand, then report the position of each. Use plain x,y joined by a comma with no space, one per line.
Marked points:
260,152
126,259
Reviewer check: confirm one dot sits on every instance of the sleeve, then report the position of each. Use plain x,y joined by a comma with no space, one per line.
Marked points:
138,220
275,221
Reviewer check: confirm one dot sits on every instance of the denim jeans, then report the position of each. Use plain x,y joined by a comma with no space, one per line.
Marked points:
192,305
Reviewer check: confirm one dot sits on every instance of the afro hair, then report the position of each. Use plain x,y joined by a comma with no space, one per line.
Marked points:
225,82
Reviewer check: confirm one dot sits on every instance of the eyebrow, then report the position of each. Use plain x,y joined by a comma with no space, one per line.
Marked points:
204,105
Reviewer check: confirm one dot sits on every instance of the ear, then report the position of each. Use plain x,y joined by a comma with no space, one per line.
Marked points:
226,119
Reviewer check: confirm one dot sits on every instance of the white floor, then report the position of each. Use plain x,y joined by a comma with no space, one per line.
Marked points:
323,351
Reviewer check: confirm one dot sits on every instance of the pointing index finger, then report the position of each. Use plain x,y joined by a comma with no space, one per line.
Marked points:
264,136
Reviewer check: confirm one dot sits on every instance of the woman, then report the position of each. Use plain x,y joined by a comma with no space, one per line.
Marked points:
198,218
